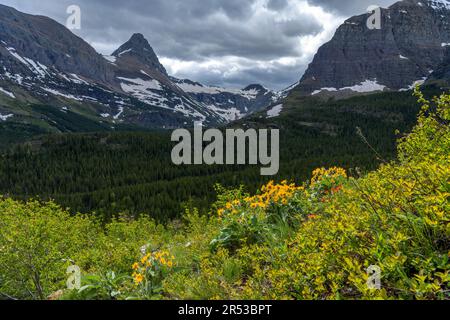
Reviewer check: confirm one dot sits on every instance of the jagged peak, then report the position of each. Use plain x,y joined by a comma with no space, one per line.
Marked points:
139,48
256,86
439,4
435,4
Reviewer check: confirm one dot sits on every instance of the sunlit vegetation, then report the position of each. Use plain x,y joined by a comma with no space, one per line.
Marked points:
108,174
289,240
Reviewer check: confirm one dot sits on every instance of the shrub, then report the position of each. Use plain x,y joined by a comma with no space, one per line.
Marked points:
315,241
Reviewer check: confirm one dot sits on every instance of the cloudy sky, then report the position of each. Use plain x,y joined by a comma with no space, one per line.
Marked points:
229,43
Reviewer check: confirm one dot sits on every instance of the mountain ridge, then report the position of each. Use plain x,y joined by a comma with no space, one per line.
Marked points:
405,51
43,63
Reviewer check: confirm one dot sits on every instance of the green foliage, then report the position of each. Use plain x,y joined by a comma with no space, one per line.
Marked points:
396,218
107,286
37,244
126,172
314,241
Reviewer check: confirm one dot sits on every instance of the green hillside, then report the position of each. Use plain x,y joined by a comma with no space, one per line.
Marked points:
115,172
318,240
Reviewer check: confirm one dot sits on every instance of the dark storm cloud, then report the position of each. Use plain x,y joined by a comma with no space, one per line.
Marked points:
188,29
256,32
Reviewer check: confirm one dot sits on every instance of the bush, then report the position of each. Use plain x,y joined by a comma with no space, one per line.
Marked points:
315,241
396,218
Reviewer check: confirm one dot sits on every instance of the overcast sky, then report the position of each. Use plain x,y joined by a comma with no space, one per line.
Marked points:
229,43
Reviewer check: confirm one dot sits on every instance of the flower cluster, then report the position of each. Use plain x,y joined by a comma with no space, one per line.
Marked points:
151,263
273,194
326,182
334,175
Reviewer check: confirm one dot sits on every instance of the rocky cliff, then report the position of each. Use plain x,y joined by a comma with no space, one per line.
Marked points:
408,47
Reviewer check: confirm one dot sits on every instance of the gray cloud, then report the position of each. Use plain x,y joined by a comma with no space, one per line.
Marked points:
257,34
350,7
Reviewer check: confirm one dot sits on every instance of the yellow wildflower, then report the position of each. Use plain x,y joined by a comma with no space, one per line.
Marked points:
138,278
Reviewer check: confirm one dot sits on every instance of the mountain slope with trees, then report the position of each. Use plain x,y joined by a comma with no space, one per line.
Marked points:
315,240
132,172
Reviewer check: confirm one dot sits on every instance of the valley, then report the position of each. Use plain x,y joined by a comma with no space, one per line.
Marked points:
93,132
113,172
94,205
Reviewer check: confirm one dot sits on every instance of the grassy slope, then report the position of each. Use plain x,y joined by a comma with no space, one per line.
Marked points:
286,242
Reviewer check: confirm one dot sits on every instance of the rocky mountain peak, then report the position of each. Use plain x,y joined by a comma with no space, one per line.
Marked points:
438,4
138,43
29,42
259,89
139,49
433,4
409,46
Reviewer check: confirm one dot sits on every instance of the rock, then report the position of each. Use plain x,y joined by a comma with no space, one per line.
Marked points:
407,48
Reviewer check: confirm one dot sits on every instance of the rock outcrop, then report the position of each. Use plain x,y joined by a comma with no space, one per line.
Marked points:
410,45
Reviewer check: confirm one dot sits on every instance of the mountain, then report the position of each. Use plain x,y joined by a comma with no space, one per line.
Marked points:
53,81
32,43
410,45
441,76
233,104
138,50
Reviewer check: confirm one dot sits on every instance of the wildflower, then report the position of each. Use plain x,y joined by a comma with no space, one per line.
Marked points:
145,259
135,266
138,278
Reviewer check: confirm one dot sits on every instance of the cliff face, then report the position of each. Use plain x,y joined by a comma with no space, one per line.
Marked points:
410,45
44,63
43,40
441,76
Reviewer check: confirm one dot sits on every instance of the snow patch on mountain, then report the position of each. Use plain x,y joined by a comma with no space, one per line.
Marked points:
324,89
123,52
17,78
9,94
76,79
110,59
117,116
64,95
197,88
230,114
275,111
5,117
133,85
439,4
363,87
36,67
415,83
366,86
